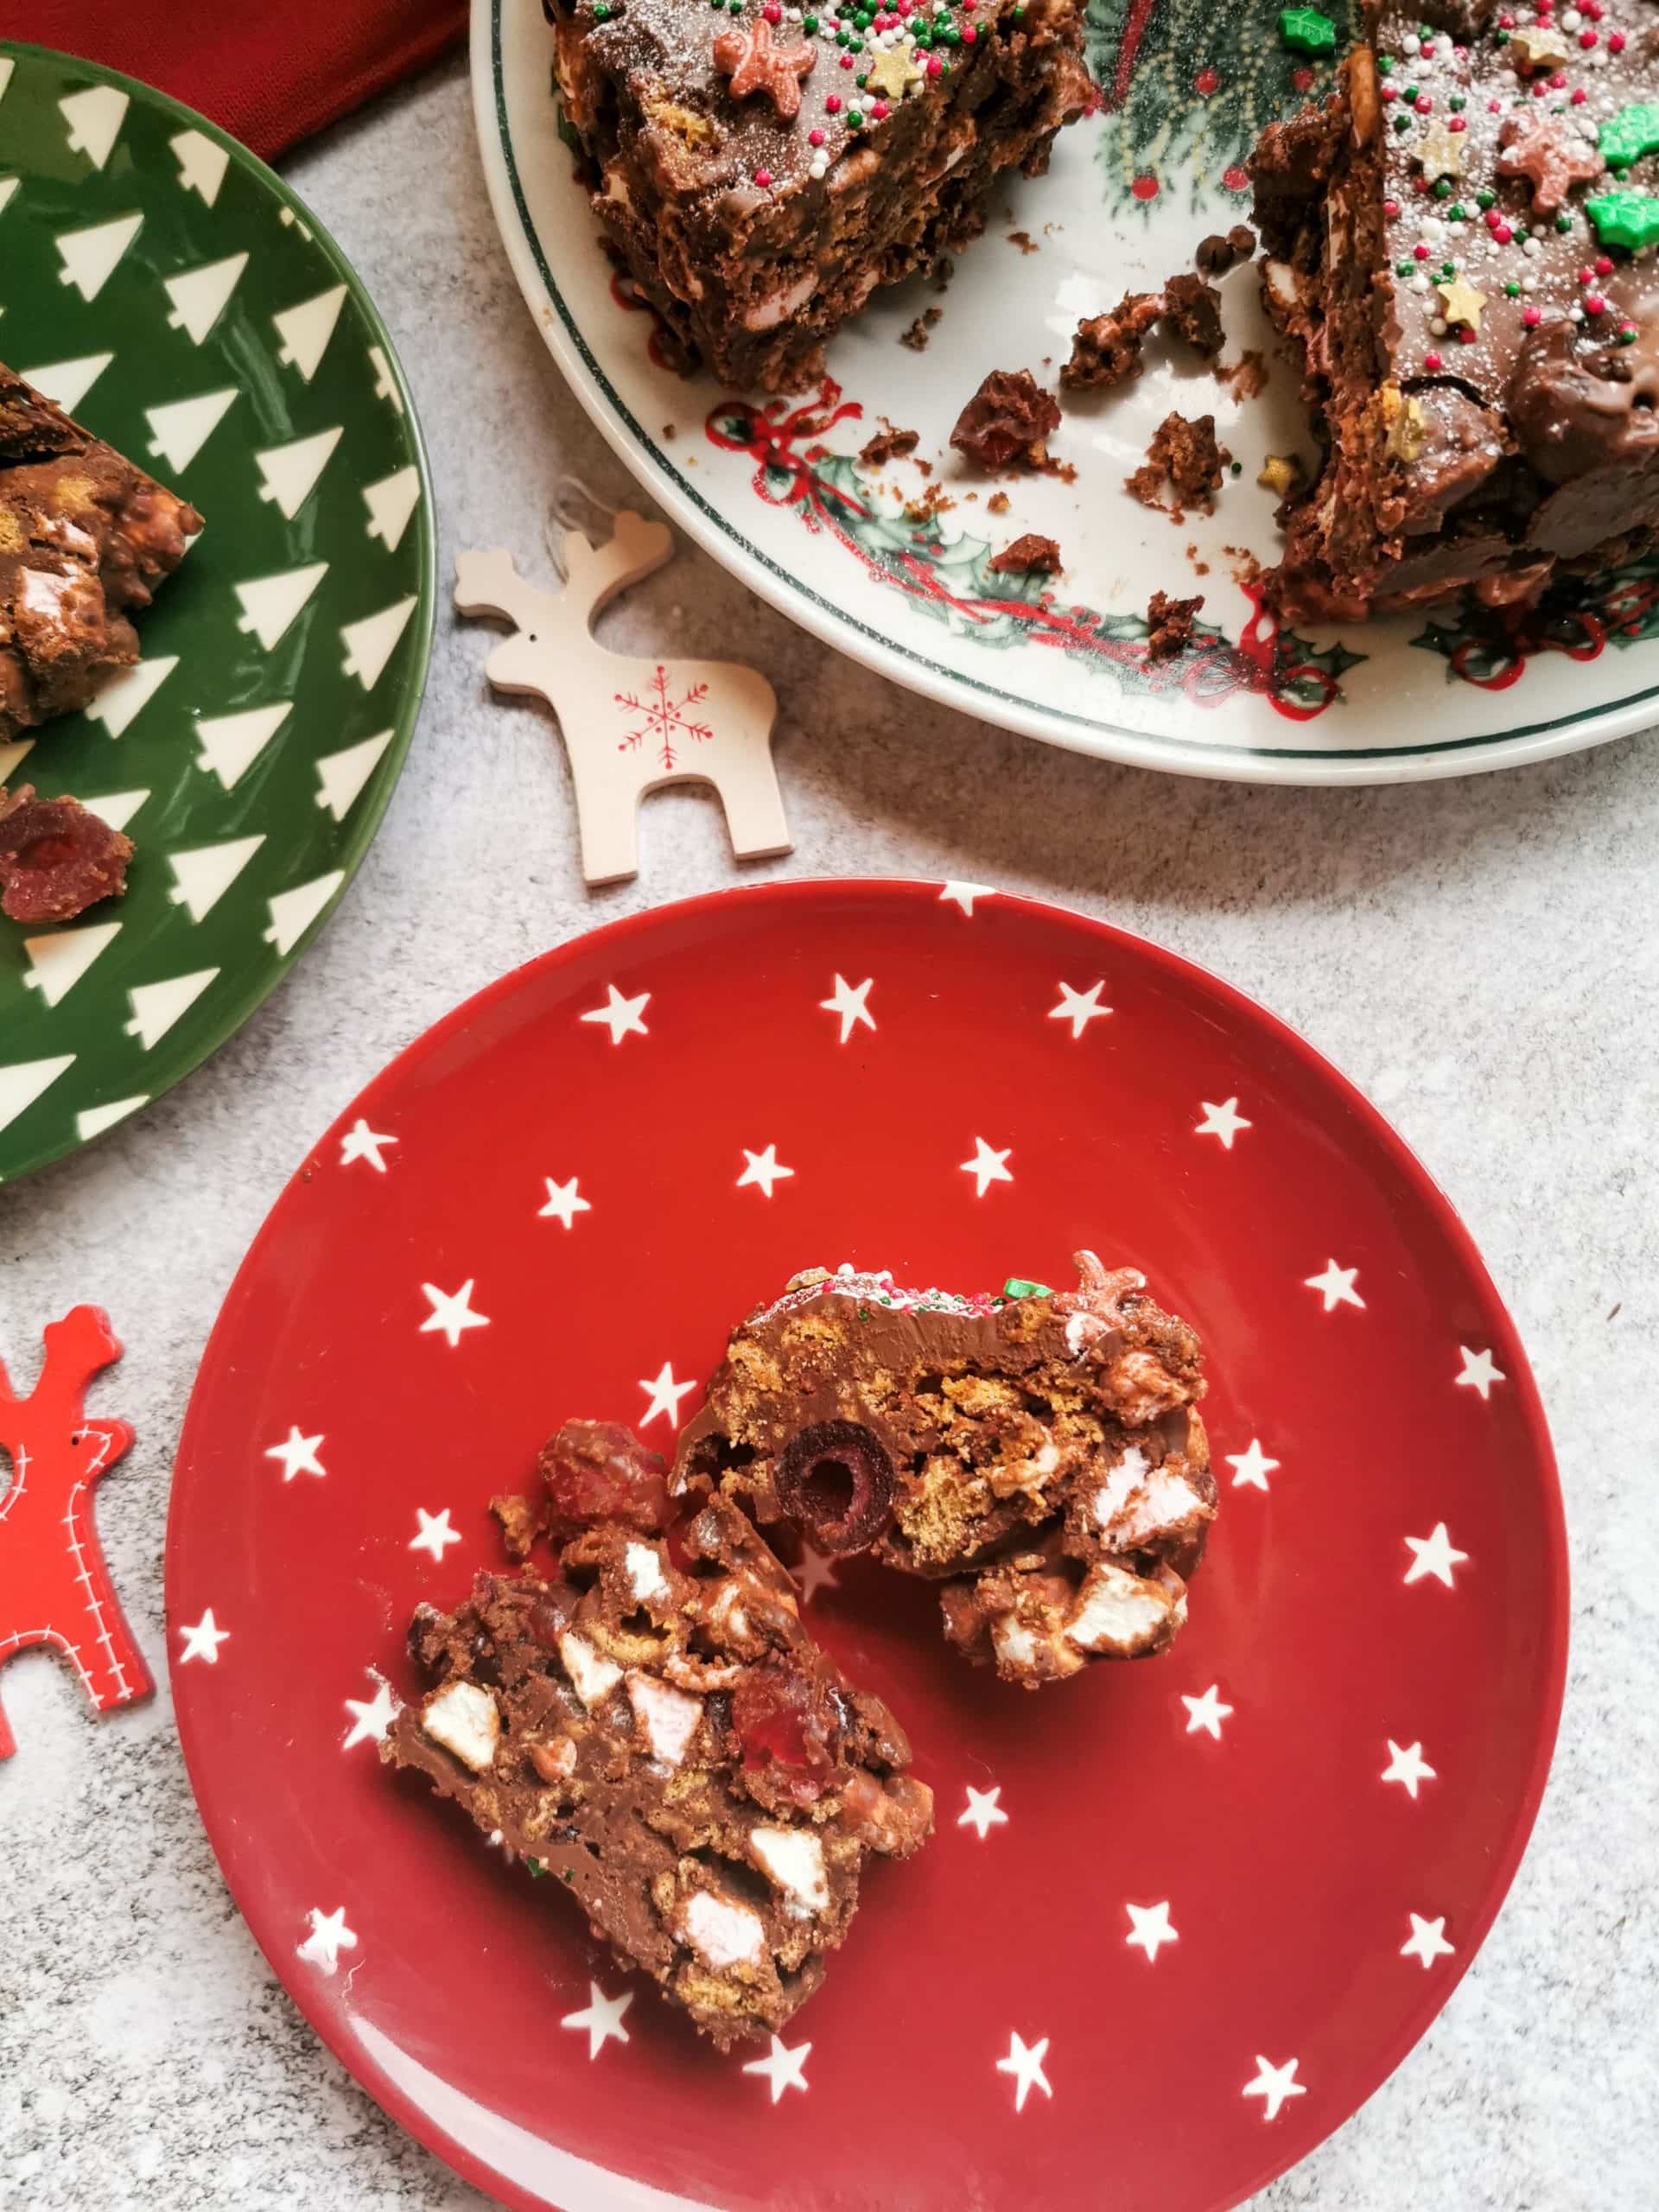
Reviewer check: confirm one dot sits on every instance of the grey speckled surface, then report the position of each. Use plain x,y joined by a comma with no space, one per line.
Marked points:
1483,956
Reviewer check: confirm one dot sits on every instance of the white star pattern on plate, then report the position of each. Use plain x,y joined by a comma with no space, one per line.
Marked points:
361,1142
783,2068
763,1168
1025,2063
202,1641
988,1167
436,1534
665,1394
984,1811
1273,2085
329,1936
371,1717
1206,1712
1336,1286
1435,1556
1479,1373
298,1455
602,2018
452,1313
1251,1468
963,895
1223,1121
851,1003
816,1572
1408,1766
1079,1008
563,1204
620,1015
1427,1941
1151,1927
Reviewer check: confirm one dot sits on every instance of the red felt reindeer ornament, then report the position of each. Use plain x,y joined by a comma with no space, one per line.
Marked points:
55,1587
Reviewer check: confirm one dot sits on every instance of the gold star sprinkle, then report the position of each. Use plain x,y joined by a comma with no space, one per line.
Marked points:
893,72
1406,433
1461,303
1440,152
1542,48
1281,473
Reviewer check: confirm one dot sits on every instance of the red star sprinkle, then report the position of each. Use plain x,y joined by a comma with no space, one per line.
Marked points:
755,65
1537,147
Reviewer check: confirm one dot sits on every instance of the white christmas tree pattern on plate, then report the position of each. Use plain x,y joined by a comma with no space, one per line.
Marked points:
171,287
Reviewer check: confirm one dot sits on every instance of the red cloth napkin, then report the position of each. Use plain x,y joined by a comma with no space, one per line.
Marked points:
270,71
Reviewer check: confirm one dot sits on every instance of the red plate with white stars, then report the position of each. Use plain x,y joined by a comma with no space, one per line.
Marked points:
1180,1917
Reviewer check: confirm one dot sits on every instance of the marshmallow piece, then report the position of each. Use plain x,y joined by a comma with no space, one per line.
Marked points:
467,1721
645,1576
594,1676
667,1717
1116,1611
721,1933
793,1858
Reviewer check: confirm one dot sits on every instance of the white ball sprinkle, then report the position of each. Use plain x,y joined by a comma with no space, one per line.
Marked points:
1439,325
1411,43
1571,19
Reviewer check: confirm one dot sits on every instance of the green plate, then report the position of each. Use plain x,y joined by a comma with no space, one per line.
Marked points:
160,283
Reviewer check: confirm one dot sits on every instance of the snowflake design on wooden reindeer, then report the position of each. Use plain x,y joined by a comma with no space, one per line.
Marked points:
663,718
55,1587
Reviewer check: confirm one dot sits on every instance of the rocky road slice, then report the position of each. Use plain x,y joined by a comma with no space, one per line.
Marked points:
85,541
1039,1454
650,1727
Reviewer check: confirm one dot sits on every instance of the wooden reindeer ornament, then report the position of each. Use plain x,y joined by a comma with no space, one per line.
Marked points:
55,1587
630,726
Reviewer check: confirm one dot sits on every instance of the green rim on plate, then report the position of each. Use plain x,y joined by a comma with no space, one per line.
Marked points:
169,289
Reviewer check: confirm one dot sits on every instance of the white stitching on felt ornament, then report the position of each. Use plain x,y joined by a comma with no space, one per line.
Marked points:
51,1566
630,726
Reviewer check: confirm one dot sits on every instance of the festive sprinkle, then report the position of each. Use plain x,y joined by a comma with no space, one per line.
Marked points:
1627,334
1626,136
1017,1287
1532,317
1305,30
1431,362
1626,218
763,178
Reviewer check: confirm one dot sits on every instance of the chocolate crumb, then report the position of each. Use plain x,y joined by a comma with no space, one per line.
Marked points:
1106,351
1007,421
934,501
1024,241
1028,555
1192,313
1185,454
997,503
1169,625
915,336
1246,377
889,444
1218,254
